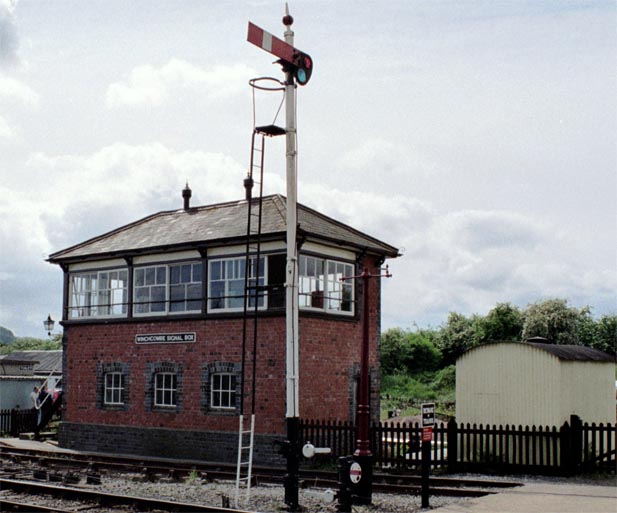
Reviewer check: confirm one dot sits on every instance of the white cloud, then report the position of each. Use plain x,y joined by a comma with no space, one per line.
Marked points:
466,260
15,90
6,132
151,86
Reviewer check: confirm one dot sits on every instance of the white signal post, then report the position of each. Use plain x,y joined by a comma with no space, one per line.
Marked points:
291,284
296,64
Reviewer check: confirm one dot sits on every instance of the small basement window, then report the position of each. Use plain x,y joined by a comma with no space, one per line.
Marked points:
114,389
223,390
165,388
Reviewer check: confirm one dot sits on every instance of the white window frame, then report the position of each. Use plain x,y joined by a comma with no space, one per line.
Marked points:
144,308
114,389
217,392
231,270
167,388
87,300
187,285
141,307
322,291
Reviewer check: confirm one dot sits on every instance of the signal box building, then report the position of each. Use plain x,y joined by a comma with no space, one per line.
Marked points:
153,317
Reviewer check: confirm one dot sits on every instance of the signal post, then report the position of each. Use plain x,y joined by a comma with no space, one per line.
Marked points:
298,67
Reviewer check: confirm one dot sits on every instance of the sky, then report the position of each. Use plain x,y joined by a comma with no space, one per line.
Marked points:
478,137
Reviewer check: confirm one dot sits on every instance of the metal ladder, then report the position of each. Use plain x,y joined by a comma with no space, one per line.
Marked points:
253,292
245,459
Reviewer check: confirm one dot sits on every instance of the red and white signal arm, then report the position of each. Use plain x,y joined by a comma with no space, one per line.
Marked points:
301,62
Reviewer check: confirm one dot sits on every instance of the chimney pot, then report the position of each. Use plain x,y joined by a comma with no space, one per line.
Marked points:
248,186
186,195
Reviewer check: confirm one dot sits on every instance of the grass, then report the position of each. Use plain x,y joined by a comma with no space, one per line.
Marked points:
406,392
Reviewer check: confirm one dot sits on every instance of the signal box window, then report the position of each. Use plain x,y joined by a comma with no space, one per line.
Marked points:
150,289
163,289
226,284
185,287
321,285
98,294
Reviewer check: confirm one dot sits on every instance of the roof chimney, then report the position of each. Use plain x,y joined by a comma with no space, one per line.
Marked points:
186,194
248,186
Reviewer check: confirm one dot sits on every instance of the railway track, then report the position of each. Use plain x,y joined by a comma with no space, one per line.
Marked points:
88,499
66,468
181,469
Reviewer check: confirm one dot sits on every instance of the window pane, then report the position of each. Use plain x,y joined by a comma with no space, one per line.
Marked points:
174,276
161,275
197,272
149,276
215,271
186,273
140,277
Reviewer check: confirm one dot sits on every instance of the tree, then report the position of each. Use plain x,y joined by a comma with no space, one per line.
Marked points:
458,334
407,352
31,344
606,334
555,320
504,323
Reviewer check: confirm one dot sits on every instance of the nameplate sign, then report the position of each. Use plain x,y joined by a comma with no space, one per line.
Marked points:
165,338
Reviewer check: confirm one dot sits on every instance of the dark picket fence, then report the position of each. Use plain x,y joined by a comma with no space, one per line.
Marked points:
572,448
13,422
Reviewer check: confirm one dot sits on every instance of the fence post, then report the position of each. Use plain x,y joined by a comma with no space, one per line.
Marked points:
13,427
564,450
452,442
576,442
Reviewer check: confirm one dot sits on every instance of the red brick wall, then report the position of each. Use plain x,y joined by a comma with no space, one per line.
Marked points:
329,348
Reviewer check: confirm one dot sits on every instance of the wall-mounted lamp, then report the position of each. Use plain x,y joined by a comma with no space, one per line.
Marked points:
49,325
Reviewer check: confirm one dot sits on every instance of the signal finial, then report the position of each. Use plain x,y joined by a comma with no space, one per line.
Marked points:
287,19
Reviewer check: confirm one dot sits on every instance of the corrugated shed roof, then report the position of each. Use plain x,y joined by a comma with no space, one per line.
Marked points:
221,222
574,353
44,361
563,352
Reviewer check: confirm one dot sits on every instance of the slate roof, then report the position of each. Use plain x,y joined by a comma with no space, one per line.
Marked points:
44,361
220,223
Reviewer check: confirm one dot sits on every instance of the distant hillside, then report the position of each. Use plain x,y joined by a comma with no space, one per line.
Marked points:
6,336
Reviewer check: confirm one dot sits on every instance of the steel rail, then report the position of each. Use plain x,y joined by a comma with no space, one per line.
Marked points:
6,505
109,499
389,483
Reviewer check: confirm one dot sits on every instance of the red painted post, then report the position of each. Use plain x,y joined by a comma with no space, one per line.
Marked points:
363,446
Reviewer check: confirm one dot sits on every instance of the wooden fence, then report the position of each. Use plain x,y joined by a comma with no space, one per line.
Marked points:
572,448
13,422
